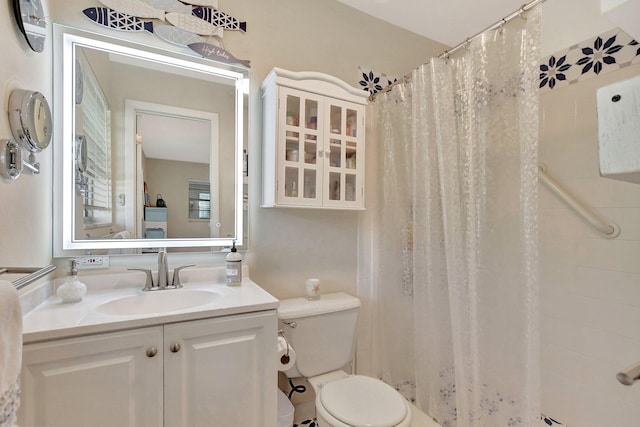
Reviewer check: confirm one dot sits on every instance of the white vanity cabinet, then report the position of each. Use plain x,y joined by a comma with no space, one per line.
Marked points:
211,372
101,380
313,141
222,373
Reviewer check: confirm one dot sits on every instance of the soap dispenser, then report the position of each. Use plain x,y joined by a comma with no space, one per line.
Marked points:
72,290
234,267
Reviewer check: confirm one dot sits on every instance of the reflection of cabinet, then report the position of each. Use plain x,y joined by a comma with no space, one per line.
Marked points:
211,372
155,223
313,152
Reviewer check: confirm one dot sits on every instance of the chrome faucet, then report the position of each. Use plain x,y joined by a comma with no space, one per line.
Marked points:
163,274
163,269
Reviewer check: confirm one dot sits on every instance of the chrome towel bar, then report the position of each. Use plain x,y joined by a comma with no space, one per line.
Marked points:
32,274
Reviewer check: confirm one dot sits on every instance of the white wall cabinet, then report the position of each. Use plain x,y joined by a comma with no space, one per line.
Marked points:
313,141
211,372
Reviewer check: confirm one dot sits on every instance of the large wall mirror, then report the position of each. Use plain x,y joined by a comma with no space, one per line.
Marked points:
148,148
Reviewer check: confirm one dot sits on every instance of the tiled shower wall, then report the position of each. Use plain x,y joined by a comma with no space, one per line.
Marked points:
590,286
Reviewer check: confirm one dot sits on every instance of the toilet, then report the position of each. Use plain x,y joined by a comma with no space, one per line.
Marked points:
322,333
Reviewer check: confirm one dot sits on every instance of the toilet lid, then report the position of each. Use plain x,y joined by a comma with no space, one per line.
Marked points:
363,401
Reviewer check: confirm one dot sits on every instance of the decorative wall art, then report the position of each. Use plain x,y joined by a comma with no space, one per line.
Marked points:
170,5
194,24
217,54
115,20
177,36
136,8
219,19
598,55
373,81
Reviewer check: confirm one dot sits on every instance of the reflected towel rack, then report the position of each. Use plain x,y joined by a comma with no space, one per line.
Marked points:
607,229
32,274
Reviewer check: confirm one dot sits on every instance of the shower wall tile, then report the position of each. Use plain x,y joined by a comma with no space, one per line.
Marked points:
595,343
590,286
603,410
588,372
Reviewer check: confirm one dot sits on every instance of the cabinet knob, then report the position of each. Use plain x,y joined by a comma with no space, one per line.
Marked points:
175,347
152,351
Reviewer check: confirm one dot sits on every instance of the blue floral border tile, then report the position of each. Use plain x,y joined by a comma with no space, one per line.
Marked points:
602,54
548,421
373,81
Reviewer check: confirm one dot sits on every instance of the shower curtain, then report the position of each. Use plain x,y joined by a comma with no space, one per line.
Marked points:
448,244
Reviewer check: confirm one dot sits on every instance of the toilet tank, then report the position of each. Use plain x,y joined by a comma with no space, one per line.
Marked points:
324,334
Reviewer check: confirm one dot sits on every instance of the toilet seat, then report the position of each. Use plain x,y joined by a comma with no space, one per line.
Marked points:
362,401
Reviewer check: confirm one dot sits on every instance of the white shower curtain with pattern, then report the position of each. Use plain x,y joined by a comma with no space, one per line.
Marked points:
448,244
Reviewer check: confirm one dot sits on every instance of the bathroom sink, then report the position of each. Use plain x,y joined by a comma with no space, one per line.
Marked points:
154,302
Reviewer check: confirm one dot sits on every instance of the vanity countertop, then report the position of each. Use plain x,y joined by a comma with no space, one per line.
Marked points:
53,319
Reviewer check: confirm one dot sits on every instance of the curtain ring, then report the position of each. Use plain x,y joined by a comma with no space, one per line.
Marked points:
522,12
501,27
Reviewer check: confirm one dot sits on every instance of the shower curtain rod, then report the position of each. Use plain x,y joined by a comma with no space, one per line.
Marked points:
518,13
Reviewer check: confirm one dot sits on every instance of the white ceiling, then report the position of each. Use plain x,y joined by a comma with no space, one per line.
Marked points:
446,21
564,22
174,138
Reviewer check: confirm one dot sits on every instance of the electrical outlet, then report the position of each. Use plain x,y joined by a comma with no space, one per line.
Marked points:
92,261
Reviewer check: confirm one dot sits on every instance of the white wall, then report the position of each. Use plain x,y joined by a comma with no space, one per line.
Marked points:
286,246
567,22
25,204
171,179
590,286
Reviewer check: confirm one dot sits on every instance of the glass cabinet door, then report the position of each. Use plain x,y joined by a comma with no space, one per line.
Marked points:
299,179
320,151
344,152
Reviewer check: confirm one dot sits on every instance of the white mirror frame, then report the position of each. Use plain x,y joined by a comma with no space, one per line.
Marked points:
65,41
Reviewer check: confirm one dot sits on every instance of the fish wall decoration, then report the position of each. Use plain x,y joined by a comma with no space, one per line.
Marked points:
219,19
177,36
117,21
216,53
209,3
194,24
169,5
136,8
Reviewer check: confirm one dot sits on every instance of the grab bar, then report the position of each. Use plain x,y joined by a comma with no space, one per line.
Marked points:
629,375
608,230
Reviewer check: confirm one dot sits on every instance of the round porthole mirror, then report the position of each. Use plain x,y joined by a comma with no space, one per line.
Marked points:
30,18
30,119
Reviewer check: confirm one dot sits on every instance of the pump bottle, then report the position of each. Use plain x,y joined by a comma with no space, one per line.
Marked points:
72,290
234,267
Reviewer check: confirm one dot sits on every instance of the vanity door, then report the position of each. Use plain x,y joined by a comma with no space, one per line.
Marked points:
221,372
104,380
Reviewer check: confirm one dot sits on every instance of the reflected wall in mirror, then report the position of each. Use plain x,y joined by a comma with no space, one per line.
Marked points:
138,125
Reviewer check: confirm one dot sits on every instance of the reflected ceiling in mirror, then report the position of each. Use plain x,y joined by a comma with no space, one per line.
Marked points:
135,125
